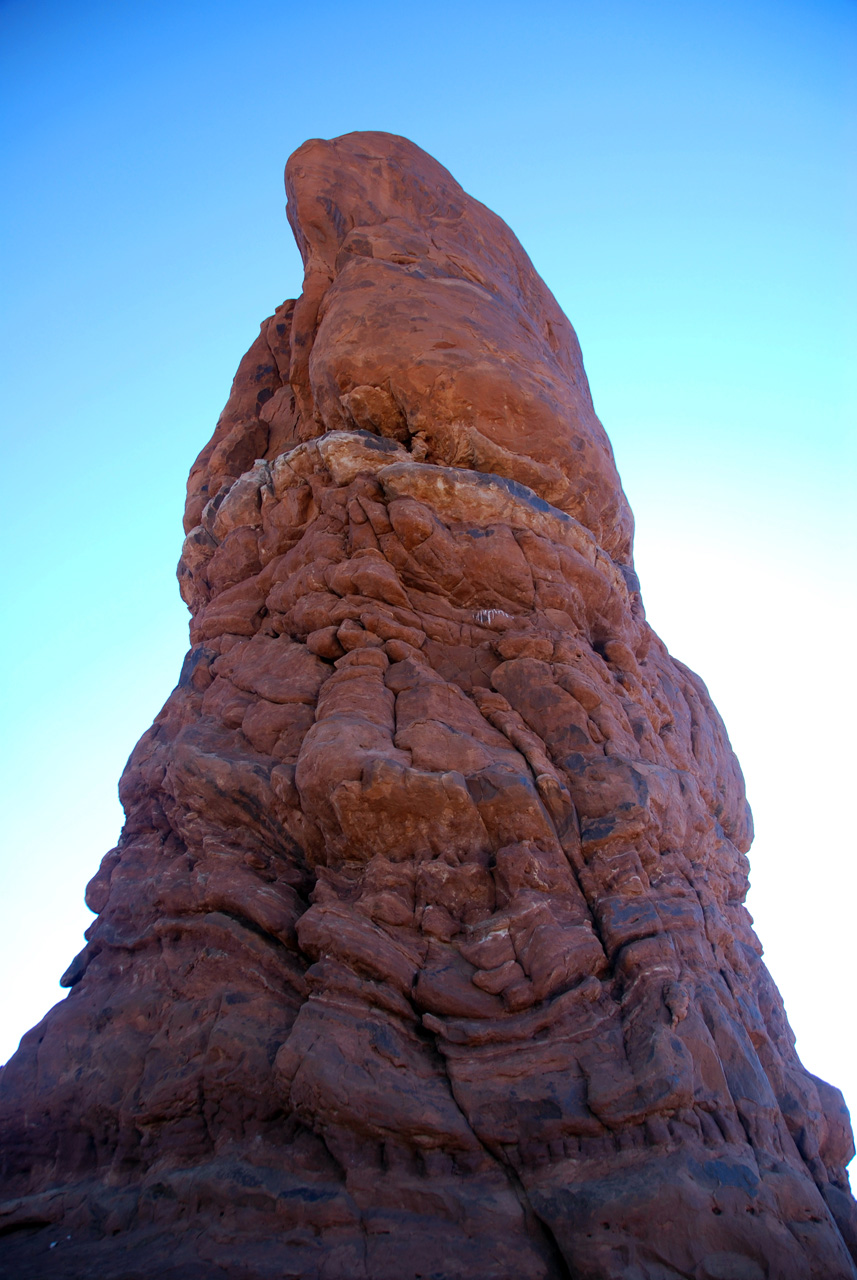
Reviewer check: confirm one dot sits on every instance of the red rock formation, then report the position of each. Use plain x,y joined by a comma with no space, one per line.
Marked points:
423,951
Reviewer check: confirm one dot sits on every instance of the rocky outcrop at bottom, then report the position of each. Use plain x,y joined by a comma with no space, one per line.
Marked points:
423,951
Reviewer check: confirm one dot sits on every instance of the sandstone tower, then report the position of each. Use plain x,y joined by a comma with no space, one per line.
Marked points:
423,951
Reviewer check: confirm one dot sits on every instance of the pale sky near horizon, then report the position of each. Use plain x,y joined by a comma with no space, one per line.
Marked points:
677,173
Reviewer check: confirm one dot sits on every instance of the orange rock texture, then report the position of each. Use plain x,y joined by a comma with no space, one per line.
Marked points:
423,951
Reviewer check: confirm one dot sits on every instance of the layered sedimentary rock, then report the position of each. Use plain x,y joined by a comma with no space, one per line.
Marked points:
423,951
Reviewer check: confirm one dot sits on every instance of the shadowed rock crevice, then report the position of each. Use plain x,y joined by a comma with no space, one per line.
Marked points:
423,951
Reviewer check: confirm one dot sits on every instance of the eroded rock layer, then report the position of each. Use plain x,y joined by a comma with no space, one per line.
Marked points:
423,951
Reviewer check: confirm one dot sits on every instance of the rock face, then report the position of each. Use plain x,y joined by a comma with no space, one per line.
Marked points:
423,951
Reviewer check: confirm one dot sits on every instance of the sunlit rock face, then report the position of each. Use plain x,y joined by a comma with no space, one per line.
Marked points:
423,951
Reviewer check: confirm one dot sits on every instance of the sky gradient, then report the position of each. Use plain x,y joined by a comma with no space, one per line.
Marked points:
677,174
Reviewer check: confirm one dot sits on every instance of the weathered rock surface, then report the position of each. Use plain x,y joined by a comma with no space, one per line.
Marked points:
423,951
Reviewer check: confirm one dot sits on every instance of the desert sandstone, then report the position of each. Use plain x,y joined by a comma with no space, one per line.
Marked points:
423,951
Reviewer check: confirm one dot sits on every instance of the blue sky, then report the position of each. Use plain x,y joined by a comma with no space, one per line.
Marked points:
678,174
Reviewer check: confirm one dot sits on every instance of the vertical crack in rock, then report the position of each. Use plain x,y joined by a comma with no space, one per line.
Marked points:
423,951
